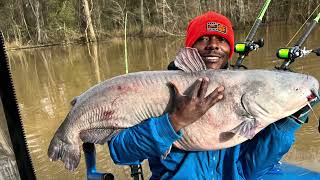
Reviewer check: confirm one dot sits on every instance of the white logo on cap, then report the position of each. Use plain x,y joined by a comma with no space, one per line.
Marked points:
214,26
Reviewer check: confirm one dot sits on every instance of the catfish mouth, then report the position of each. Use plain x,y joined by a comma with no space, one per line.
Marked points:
313,96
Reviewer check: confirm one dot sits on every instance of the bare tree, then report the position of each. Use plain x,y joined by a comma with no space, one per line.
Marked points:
35,6
40,21
141,18
86,22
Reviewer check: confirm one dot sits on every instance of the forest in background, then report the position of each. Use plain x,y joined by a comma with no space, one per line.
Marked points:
34,22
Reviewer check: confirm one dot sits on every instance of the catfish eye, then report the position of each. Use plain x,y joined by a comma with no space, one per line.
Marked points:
297,89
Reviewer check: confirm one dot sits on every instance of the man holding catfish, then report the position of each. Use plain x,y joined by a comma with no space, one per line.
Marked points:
212,35
196,122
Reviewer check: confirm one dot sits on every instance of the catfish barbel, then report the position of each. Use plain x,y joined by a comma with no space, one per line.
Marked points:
253,100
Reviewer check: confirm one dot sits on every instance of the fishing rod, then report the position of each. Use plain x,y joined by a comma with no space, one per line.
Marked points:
292,53
244,48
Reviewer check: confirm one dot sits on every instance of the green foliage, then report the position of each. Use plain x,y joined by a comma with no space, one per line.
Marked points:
59,20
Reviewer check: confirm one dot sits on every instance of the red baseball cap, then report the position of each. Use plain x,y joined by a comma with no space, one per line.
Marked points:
210,23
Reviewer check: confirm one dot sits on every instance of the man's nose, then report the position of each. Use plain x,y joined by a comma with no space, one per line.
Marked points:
213,44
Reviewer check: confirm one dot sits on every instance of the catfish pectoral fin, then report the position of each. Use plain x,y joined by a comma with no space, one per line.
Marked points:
246,128
225,136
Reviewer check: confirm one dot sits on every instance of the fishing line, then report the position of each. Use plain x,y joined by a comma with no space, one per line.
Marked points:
313,112
303,25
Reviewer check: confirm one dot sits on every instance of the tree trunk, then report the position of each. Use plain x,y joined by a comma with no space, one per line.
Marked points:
163,14
219,7
37,16
291,7
141,18
98,20
93,53
239,9
23,19
86,22
35,5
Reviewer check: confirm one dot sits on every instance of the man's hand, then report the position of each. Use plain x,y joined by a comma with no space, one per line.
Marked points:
189,108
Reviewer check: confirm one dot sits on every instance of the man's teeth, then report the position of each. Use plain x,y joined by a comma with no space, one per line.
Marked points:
212,58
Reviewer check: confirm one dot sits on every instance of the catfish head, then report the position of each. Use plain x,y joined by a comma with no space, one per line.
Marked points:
279,95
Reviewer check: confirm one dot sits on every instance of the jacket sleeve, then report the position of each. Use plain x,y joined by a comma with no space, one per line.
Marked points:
151,138
259,155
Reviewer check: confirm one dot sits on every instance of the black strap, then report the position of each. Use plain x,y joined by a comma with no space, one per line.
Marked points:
12,115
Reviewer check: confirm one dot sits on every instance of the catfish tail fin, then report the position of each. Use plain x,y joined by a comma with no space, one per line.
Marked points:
68,153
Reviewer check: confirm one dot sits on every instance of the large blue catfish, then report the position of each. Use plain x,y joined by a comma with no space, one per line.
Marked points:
253,99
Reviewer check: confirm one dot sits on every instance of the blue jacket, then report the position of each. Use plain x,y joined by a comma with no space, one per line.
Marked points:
249,160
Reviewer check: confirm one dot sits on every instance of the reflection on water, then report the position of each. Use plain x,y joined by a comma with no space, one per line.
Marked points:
47,79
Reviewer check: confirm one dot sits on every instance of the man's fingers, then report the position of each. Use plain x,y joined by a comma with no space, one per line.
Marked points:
215,96
203,88
214,101
196,87
174,88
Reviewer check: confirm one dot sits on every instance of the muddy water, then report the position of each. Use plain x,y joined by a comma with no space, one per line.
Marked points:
47,79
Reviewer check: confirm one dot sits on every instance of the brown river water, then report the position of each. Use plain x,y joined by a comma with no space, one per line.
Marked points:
46,80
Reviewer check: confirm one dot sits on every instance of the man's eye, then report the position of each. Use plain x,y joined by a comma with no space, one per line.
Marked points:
204,39
221,39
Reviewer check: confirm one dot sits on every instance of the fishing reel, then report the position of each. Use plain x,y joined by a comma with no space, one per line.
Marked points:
243,49
246,47
291,54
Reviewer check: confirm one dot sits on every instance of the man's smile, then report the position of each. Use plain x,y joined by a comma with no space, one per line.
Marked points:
211,59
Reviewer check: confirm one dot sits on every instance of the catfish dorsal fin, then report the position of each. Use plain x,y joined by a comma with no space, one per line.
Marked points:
189,60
